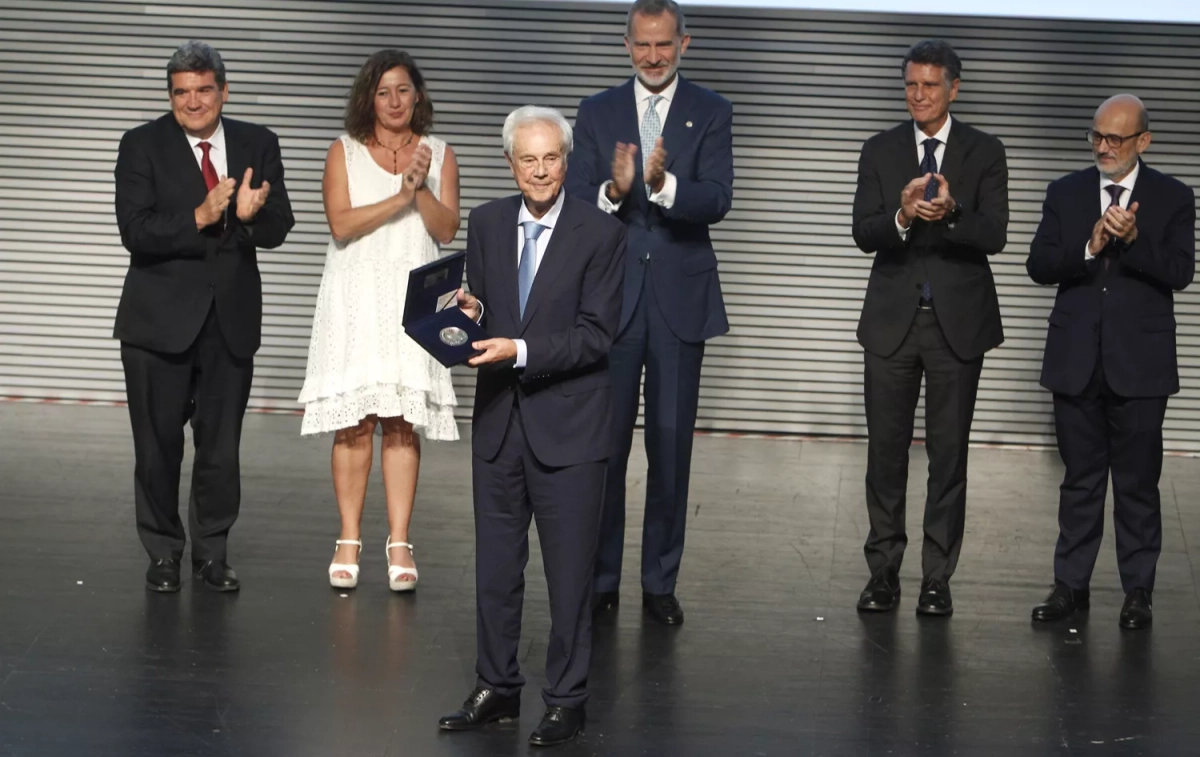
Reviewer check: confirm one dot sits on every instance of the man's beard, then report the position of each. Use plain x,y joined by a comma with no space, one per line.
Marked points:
1122,169
666,77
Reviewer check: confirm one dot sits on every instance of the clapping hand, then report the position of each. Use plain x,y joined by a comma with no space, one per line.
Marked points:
1121,223
417,171
215,203
250,201
623,171
940,206
913,193
655,171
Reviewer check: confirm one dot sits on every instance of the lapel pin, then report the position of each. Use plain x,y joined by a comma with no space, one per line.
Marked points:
688,124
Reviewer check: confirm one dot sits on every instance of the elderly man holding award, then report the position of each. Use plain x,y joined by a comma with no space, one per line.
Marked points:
545,272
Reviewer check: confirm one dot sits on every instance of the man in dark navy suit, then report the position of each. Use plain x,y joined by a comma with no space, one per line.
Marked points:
1117,239
197,195
547,269
656,153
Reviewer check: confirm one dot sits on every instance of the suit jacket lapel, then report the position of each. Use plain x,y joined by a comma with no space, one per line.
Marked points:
182,158
952,158
678,129
237,154
906,146
504,267
553,260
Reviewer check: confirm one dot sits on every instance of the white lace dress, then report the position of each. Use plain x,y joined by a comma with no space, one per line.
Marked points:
360,361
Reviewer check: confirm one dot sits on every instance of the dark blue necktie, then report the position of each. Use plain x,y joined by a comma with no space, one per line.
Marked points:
929,166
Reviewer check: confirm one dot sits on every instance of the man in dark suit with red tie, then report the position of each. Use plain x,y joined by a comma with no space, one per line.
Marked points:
932,205
1117,239
190,316
548,270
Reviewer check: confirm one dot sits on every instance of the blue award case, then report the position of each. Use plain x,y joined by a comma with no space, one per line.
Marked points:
431,314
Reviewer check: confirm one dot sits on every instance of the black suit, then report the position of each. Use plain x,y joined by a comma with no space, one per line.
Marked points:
1110,362
904,337
190,321
541,434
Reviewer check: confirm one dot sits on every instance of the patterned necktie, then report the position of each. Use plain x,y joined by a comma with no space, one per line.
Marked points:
1114,192
650,132
929,166
207,168
528,266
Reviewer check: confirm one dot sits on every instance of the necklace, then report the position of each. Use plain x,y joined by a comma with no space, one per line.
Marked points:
396,152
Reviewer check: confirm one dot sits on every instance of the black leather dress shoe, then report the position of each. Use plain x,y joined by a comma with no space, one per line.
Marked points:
663,608
482,707
163,576
216,576
559,725
881,594
1062,603
605,601
1138,610
935,599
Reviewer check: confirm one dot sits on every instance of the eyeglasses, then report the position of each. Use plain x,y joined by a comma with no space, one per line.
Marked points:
1116,140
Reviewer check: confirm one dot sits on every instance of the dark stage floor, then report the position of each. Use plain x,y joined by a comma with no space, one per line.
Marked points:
773,659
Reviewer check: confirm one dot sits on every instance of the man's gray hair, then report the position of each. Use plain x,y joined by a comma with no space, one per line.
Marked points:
529,114
194,56
657,8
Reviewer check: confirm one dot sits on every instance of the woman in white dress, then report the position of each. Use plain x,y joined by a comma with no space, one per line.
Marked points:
391,198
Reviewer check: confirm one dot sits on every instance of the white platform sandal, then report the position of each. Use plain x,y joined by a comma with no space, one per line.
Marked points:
399,577
340,582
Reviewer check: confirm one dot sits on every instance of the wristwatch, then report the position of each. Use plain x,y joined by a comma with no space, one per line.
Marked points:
953,216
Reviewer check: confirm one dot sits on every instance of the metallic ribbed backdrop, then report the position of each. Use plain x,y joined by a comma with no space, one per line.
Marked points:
807,87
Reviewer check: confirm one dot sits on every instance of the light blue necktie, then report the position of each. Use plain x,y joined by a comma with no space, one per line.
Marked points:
650,132
528,266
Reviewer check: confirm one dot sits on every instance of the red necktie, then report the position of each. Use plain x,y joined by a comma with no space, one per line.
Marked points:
206,167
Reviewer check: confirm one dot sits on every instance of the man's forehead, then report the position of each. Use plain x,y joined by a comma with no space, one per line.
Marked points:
193,79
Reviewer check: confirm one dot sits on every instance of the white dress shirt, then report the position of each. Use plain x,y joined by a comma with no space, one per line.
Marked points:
216,153
942,136
1106,199
543,241
664,197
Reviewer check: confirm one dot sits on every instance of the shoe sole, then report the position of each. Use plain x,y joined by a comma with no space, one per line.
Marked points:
481,724
875,607
540,743
1038,619
157,589
220,589
1134,626
935,613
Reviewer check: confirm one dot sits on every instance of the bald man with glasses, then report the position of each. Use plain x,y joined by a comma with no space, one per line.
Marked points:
1117,239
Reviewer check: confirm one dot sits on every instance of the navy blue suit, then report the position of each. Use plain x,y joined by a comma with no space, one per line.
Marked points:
1110,362
672,304
540,435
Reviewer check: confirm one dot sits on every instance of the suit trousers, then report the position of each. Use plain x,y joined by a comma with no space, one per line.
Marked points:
508,491
672,392
892,386
1100,432
208,386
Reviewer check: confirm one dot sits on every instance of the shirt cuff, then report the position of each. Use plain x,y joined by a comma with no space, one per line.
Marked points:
903,232
605,204
1088,256
665,197
522,353
481,311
